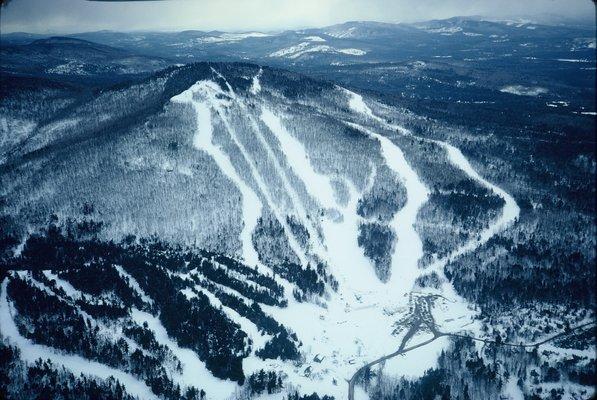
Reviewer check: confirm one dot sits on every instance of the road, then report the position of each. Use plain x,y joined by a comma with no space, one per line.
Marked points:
421,319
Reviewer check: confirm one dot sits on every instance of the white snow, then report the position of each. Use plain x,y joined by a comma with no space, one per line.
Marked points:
356,325
194,371
66,286
414,363
559,103
315,39
573,60
342,34
256,84
444,30
317,184
297,203
71,67
246,325
352,52
251,205
455,314
523,90
512,391
409,248
307,47
231,37
509,214
209,91
290,50
134,284
30,352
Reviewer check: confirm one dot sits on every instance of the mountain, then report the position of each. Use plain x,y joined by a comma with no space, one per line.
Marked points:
219,224
73,57
356,42
420,227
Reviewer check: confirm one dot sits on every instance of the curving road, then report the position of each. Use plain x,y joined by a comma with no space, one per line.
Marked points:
422,319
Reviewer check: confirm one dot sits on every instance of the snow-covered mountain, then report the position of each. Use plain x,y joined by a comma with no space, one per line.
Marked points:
348,43
226,230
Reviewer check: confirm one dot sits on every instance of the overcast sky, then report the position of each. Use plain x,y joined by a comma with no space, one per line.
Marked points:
68,16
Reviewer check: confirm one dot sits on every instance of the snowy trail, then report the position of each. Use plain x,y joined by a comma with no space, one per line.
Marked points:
210,90
134,284
409,248
30,352
245,324
510,211
288,187
297,203
509,215
251,205
292,241
318,185
256,84
195,373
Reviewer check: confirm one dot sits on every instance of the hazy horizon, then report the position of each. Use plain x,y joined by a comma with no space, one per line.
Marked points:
76,16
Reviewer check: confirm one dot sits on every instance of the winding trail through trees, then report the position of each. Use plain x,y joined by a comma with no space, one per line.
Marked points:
421,318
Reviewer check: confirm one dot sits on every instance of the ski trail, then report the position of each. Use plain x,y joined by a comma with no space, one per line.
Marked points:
30,352
74,294
256,84
510,211
350,266
318,185
194,372
246,325
134,284
210,90
409,248
251,205
509,215
294,197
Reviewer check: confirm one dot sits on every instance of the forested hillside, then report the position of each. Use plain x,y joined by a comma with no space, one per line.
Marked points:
233,231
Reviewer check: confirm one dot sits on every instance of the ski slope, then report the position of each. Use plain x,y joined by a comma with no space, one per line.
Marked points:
30,352
510,211
356,325
203,140
508,216
194,371
319,186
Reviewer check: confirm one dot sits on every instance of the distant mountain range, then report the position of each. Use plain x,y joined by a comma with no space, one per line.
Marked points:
347,43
